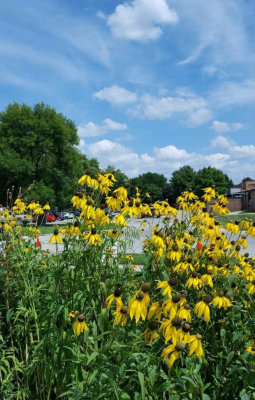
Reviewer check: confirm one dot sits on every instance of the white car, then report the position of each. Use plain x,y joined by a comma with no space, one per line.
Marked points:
68,215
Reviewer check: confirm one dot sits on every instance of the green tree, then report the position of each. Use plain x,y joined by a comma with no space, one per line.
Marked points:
209,176
181,180
38,144
151,183
247,179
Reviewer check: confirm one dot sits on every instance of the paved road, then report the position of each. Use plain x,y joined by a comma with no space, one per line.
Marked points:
136,246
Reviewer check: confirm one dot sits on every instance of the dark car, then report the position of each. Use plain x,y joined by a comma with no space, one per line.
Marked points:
59,215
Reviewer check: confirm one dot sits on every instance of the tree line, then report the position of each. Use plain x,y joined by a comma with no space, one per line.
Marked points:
39,155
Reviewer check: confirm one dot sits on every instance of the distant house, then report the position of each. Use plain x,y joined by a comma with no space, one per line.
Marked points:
242,197
247,185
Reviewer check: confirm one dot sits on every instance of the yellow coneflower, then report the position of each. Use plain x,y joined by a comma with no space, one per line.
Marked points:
183,335
55,238
86,180
113,202
80,325
168,328
232,227
100,216
202,308
221,301
156,310
121,193
150,333
93,237
251,287
46,207
137,307
173,351
251,230
120,220
189,195
183,267
244,224
73,314
207,280
120,316
114,297
184,312
171,305
167,286
194,281
251,350
157,240
195,345
114,233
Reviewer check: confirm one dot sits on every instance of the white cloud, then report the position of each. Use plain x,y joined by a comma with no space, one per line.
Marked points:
221,127
193,107
170,152
216,32
116,95
236,161
234,94
222,141
91,129
141,19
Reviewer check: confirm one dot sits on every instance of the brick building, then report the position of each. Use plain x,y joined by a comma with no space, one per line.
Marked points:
242,197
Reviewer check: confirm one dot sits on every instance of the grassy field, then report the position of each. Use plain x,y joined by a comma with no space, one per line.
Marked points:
224,219
139,259
47,229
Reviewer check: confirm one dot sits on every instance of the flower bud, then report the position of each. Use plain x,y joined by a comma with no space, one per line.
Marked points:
153,325
176,298
186,328
124,310
117,292
81,318
145,287
172,281
140,295
176,321
180,347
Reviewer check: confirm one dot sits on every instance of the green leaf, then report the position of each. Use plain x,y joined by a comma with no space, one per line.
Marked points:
141,379
230,356
152,375
205,397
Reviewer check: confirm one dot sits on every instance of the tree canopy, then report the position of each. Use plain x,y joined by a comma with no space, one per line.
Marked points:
38,144
151,183
181,180
186,178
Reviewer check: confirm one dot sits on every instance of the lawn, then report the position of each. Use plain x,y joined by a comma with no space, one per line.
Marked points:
139,259
224,219
47,229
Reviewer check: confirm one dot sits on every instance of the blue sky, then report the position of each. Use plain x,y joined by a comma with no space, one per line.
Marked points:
151,84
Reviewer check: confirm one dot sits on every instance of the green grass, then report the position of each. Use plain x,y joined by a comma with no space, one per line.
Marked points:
139,259
47,229
224,219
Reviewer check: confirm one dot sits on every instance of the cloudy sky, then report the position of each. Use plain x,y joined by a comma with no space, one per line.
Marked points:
151,84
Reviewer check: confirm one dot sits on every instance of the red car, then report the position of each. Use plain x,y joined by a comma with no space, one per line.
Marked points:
50,217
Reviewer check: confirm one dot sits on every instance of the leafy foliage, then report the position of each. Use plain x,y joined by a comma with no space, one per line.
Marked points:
38,144
43,357
151,183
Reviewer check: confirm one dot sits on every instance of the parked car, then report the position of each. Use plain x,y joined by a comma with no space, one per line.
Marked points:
50,217
68,215
59,215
